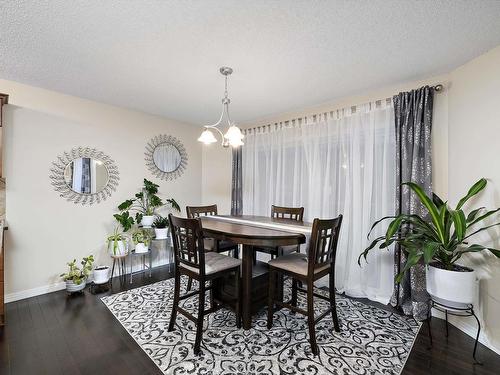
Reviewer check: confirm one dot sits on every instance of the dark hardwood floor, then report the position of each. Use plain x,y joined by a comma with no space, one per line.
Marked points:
56,334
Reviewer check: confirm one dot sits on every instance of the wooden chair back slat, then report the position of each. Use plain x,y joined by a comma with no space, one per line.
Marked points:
194,212
294,213
187,238
323,243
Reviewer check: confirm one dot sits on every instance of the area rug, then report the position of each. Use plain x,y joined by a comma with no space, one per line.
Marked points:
371,340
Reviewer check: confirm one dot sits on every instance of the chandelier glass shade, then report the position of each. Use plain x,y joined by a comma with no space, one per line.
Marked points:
233,136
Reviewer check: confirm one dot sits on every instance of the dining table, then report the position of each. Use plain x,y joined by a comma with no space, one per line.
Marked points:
252,232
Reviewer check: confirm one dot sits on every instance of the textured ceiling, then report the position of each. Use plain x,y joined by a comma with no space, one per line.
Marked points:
163,57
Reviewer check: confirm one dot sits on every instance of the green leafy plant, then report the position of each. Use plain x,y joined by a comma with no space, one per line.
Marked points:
76,274
146,202
142,236
161,222
442,238
115,239
126,222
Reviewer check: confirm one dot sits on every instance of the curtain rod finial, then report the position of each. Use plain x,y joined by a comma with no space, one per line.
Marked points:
438,88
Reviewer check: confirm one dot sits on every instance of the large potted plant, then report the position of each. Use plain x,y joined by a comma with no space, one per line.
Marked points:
117,242
439,240
76,278
145,204
161,227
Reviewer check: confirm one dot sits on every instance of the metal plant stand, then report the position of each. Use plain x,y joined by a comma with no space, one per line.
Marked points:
466,311
121,268
145,266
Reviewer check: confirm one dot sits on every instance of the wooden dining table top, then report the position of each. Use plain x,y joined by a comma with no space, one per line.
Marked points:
246,233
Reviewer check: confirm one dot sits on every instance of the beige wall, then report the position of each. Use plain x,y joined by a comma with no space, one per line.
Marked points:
45,230
474,144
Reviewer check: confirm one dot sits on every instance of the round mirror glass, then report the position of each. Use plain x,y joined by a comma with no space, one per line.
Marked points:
86,175
167,157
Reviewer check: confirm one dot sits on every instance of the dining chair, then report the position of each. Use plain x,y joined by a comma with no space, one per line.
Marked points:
277,212
192,260
211,244
307,268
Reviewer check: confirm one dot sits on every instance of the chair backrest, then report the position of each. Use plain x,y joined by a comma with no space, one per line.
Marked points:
187,238
323,243
294,213
196,211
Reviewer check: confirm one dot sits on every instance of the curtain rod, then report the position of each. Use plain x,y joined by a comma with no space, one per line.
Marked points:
438,88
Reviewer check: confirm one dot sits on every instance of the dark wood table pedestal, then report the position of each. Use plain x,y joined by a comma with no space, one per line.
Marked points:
253,278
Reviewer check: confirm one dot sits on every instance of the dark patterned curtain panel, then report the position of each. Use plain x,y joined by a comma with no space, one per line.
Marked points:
236,183
413,118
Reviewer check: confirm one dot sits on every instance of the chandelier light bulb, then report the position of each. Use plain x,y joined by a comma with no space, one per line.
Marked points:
207,137
233,133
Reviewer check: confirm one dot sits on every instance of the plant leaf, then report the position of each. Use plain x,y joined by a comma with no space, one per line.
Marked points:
431,207
481,229
125,205
429,251
459,222
476,188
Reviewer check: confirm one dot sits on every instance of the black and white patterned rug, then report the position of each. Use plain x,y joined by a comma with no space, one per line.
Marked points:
371,341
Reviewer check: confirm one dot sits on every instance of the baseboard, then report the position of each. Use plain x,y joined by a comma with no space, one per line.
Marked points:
16,296
44,289
469,329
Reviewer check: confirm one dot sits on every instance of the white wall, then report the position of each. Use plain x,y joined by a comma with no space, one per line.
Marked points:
45,230
474,145
216,177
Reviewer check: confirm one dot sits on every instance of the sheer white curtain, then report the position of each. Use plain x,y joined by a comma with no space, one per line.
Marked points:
341,164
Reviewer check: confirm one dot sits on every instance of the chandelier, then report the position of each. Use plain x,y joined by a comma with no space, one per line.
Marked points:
233,136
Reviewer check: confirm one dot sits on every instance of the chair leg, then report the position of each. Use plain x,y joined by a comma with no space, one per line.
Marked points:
238,299
213,285
310,317
270,298
333,304
199,321
294,294
190,283
177,292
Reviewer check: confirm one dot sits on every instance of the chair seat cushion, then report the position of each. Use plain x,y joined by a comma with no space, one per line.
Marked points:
296,263
215,262
211,245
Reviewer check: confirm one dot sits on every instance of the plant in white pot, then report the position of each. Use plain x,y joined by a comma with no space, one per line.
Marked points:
161,227
76,278
439,240
117,242
142,239
145,203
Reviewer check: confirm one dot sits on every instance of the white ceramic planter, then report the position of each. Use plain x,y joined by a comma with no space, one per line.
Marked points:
141,248
451,288
161,233
120,250
101,274
147,221
71,287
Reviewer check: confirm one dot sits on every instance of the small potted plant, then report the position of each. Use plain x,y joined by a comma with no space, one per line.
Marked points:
117,242
439,240
161,227
76,278
145,203
142,239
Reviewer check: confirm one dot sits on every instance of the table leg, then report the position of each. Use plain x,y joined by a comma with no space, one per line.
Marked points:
246,281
